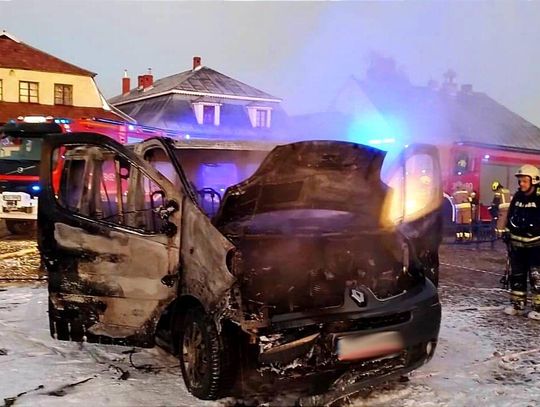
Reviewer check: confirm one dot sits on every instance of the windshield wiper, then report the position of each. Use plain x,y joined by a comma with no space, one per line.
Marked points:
20,170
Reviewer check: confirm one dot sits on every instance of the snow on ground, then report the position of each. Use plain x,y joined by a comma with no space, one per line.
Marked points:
484,357
32,359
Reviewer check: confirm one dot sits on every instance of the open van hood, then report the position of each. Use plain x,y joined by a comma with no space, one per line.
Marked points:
310,175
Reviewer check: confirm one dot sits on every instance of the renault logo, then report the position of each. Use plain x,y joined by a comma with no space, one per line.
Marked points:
20,170
358,297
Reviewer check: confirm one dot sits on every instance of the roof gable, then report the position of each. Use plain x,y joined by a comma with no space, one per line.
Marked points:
15,54
201,81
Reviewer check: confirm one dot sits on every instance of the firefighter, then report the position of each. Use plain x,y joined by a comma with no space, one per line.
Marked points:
523,238
463,208
499,206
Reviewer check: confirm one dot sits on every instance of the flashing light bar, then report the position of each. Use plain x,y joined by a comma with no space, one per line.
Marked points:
382,141
63,121
35,119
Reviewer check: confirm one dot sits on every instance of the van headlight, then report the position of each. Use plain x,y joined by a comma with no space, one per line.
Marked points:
414,190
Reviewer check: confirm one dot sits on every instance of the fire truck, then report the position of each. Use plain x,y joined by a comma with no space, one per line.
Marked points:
473,167
20,159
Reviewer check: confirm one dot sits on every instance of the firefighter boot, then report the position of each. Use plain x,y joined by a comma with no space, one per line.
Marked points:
518,300
535,288
535,313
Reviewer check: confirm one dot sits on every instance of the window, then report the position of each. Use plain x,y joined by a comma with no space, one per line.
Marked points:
28,92
211,171
209,114
20,148
160,161
261,118
1,90
415,188
98,183
63,94
461,163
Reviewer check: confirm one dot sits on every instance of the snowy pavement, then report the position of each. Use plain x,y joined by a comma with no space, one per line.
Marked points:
30,359
484,357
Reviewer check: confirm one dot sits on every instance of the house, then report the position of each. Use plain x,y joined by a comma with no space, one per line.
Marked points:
479,140
202,102
33,82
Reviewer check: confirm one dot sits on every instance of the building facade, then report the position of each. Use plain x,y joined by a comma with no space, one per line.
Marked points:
33,82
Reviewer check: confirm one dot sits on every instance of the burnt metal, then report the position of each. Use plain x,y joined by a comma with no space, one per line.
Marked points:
295,259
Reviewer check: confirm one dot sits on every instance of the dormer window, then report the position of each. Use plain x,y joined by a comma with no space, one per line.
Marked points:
207,113
259,116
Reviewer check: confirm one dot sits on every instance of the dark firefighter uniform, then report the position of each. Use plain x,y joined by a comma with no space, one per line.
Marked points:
523,227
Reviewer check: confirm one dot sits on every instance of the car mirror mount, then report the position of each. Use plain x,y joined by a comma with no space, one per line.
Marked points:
164,212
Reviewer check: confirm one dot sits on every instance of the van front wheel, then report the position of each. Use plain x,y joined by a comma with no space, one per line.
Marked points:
204,358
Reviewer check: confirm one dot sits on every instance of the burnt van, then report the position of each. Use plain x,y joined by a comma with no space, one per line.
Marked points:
299,262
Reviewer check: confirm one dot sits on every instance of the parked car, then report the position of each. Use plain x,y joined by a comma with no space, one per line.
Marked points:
296,262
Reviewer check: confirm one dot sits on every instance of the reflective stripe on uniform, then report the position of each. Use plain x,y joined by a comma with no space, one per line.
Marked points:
518,294
525,241
536,300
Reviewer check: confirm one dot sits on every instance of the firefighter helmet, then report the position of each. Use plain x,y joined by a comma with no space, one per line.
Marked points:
531,171
495,185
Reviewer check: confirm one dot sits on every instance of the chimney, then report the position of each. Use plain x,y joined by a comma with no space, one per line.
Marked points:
196,62
450,87
126,85
145,81
149,78
466,88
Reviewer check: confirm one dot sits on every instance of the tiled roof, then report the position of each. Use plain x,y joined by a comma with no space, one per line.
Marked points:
442,116
10,110
203,80
439,116
422,114
15,54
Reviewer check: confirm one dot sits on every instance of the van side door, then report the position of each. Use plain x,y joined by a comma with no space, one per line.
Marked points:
108,233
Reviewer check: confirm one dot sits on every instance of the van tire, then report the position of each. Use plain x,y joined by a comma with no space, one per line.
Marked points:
206,360
20,227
